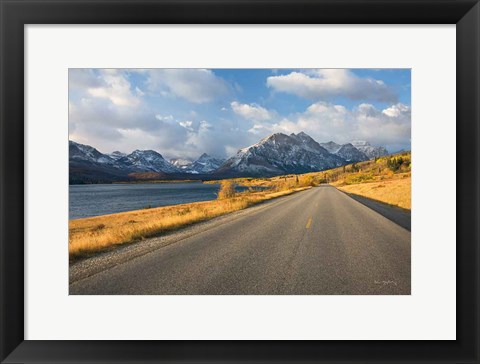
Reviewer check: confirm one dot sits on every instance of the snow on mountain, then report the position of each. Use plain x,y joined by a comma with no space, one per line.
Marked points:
351,154
280,153
180,163
362,146
204,164
369,150
147,160
274,155
117,155
332,147
137,161
88,165
87,154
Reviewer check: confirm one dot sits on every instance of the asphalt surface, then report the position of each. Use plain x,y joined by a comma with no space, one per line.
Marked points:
319,241
398,215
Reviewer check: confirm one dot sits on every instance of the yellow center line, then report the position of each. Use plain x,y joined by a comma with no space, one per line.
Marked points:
309,223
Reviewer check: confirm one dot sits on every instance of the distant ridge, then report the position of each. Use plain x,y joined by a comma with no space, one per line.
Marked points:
276,154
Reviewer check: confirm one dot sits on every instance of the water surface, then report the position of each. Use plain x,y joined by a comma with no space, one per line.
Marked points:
98,199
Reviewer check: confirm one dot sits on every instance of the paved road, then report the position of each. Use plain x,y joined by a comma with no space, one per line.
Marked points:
318,241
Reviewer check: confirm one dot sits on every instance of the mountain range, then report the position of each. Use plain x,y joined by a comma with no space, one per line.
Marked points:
276,154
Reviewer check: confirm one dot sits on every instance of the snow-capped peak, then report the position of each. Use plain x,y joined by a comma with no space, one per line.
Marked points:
147,160
82,152
331,146
179,162
360,143
117,155
204,164
369,150
351,154
280,153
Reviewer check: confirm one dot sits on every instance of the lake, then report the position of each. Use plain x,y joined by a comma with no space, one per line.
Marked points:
94,200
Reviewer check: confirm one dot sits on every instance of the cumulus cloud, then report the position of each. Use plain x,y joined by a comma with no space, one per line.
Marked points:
164,117
397,110
107,112
258,129
324,121
217,142
148,109
112,85
195,85
328,83
186,124
251,112
96,122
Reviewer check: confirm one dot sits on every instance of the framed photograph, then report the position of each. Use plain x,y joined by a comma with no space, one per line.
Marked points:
239,181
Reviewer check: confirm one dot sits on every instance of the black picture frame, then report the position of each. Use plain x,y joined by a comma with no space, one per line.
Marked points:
15,14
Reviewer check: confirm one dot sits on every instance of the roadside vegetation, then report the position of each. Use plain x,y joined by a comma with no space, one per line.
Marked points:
386,179
394,192
92,235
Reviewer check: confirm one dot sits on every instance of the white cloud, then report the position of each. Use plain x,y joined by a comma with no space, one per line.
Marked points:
195,85
258,129
327,83
115,87
108,110
396,110
251,112
205,125
99,123
186,124
164,118
326,121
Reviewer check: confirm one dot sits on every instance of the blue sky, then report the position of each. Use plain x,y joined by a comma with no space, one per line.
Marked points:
186,112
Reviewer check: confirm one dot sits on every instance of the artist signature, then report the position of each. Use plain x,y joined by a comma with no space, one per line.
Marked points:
385,283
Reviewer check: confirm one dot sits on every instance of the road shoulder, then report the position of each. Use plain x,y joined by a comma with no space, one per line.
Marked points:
396,214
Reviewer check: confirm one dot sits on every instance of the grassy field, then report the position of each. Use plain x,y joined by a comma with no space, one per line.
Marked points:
386,179
91,235
395,192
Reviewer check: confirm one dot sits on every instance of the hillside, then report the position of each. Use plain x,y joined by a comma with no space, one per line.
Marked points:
386,179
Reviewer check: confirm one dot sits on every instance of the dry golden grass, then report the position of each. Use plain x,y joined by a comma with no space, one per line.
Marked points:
227,190
361,172
277,183
376,179
395,192
91,235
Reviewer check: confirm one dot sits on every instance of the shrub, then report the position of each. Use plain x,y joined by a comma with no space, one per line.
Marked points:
99,227
358,178
227,190
307,180
395,163
354,168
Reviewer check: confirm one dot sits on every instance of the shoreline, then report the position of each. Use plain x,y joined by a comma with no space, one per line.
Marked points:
137,182
149,206
89,236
